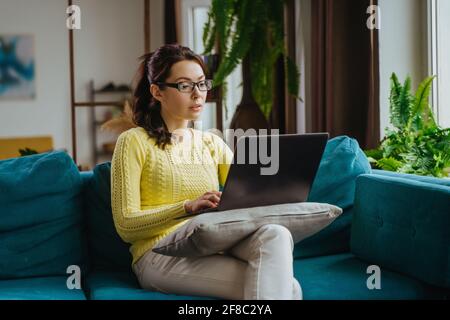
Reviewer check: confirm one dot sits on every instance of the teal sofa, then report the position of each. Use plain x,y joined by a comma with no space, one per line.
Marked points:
54,218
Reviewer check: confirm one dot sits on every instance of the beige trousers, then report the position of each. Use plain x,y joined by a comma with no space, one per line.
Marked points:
258,268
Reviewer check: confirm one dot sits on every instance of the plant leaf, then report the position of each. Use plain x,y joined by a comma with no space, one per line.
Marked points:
420,114
253,29
400,102
389,164
293,76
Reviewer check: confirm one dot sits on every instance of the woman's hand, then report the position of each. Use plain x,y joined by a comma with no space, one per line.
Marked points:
208,200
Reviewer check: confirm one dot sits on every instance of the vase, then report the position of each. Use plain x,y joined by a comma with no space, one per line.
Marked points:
248,114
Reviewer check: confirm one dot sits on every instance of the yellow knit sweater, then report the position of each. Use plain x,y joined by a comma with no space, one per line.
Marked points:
149,186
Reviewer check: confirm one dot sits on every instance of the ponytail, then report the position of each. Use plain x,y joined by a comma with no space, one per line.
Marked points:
146,109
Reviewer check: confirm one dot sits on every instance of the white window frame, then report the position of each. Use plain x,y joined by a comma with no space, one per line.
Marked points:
187,7
432,51
187,23
437,44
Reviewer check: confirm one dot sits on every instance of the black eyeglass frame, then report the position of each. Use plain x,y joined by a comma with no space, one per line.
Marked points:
194,84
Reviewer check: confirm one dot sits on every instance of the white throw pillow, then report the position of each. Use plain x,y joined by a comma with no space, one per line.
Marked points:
218,231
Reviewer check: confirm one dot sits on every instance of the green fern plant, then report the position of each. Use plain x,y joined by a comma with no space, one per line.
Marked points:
416,144
252,29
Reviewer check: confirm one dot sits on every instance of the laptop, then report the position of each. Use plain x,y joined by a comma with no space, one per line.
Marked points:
286,178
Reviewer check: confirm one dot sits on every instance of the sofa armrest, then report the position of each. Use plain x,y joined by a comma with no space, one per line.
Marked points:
403,225
85,177
414,177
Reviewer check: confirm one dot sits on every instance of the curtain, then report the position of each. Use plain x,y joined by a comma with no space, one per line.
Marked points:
284,108
345,71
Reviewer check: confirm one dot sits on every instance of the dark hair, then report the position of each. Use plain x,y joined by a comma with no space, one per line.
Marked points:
155,67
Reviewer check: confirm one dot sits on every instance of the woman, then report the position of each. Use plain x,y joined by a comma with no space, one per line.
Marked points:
152,184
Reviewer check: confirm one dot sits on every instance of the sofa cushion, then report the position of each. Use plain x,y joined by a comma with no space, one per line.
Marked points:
215,232
335,277
344,276
403,225
107,285
41,229
107,251
341,163
41,288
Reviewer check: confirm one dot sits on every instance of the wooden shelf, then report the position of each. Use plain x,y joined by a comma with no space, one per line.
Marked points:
99,104
92,104
113,92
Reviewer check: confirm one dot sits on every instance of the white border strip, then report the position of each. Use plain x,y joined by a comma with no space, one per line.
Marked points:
433,49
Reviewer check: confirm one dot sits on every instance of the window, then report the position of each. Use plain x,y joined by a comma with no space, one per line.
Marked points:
194,15
439,58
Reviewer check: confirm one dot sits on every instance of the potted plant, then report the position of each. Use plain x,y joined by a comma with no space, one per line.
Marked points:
27,152
250,32
416,144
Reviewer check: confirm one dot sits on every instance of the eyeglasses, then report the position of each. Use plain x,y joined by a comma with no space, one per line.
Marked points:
188,86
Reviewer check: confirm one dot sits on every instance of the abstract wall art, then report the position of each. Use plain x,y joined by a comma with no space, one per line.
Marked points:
17,67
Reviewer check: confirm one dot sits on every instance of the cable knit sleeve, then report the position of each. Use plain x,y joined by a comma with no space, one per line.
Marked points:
131,222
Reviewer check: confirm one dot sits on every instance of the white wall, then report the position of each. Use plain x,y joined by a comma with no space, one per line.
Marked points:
106,49
48,113
156,23
403,47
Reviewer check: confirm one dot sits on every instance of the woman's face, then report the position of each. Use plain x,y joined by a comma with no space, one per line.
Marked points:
179,105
